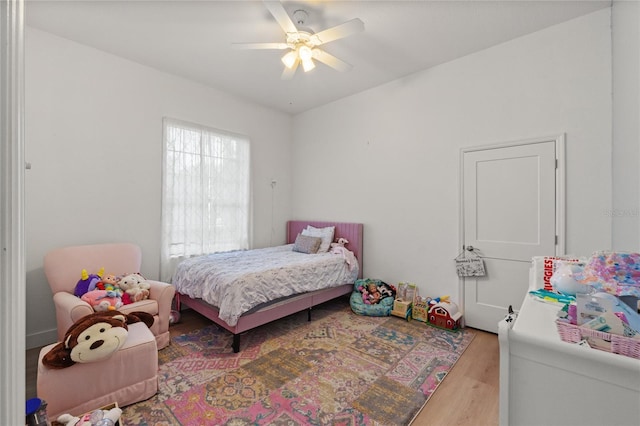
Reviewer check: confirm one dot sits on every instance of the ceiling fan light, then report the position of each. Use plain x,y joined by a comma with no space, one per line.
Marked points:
307,64
305,53
289,59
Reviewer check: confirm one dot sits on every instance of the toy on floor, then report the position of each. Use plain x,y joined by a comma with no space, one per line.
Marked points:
403,303
373,291
444,314
402,309
431,302
420,308
95,418
370,297
174,317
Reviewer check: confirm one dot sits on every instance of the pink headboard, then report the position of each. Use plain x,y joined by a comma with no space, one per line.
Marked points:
351,231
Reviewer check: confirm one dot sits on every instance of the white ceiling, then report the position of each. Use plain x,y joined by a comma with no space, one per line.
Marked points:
193,39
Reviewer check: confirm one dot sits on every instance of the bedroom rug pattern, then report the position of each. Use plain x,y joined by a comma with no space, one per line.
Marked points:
338,369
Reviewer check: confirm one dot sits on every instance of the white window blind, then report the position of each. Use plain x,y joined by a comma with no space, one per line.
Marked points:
206,193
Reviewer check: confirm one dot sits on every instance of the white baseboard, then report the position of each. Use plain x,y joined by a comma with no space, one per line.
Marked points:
42,338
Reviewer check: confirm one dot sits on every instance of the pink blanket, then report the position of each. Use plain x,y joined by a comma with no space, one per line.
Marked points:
348,256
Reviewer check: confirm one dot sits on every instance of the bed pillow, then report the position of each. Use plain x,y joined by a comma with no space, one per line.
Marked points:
307,244
326,234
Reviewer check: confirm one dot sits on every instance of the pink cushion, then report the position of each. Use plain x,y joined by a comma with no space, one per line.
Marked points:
128,376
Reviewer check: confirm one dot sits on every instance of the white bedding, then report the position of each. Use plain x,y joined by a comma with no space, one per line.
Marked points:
237,281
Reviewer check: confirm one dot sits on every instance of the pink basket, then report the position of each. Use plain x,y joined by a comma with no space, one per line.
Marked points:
599,340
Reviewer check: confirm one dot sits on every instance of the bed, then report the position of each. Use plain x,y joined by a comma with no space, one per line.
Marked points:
189,286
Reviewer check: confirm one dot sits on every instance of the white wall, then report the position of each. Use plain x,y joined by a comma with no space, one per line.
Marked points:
389,157
94,139
626,125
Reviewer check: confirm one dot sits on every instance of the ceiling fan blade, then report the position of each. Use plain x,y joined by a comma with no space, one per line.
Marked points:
331,60
281,15
278,46
288,73
339,31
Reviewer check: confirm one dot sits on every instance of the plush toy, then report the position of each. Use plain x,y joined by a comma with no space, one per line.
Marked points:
95,418
174,317
94,337
126,299
113,290
87,282
136,286
339,248
387,290
365,295
340,242
110,284
100,300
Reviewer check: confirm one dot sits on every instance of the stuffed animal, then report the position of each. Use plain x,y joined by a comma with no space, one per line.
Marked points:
365,295
340,242
94,337
339,248
126,299
387,290
87,282
110,284
113,290
174,317
136,286
100,300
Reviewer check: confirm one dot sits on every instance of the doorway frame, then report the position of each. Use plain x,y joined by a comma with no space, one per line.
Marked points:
12,202
560,198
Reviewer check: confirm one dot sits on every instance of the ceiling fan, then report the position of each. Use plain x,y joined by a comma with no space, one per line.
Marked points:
303,45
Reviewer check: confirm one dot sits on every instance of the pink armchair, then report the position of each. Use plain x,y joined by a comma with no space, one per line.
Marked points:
63,267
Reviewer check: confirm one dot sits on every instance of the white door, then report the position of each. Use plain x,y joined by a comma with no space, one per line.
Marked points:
510,205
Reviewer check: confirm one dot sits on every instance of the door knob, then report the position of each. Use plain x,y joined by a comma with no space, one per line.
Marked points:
470,248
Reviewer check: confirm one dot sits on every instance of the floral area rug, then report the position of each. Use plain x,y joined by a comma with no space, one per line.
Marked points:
338,369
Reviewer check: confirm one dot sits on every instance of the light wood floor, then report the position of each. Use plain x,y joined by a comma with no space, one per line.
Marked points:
468,396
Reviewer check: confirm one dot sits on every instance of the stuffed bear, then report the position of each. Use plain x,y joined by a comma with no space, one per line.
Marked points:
87,282
100,300
94,337
136,286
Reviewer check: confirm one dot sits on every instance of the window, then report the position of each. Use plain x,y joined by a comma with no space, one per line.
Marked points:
205,193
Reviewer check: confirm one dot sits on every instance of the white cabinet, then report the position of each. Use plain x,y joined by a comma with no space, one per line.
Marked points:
545,381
